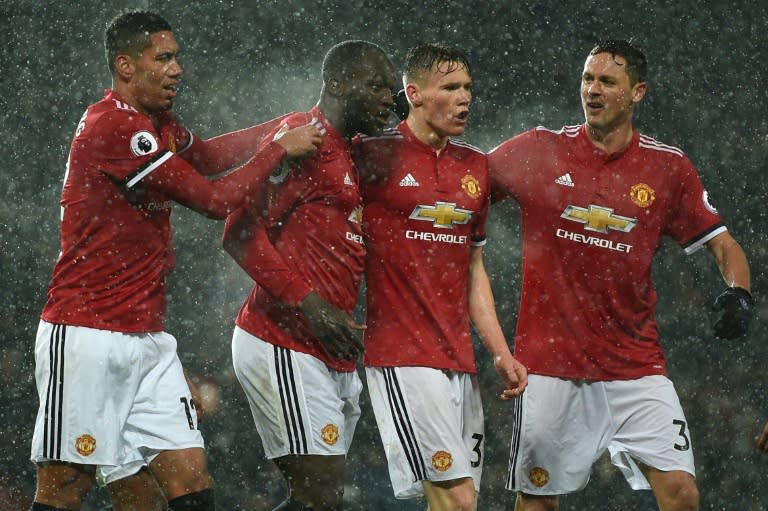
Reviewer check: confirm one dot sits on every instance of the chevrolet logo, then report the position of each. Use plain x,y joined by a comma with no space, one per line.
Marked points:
442,214
599,219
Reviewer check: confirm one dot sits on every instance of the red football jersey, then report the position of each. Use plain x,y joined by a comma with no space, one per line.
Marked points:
307,236
591,224
423,213
116,250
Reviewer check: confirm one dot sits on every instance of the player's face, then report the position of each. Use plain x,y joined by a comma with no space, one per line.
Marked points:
607,96
157,74
369,99
445,98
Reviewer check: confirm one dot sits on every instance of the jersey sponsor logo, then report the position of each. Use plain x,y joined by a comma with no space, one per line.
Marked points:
353,236
143,143
538,476
565,180
356,216
593,240
442,461
443,214
471,186
409,180
708,203
85,445
599,219
642,195
435,236
330,434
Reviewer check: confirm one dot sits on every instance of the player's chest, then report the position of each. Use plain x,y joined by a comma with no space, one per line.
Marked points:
596,192
431,182
329,177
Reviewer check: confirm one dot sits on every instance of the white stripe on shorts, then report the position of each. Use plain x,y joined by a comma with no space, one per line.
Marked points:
54,393
517,426
289,398
403,425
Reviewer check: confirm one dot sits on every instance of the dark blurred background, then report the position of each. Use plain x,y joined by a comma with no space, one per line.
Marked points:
246,62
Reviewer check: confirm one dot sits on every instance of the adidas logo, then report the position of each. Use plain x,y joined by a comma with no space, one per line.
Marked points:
408,180
348,180
565,180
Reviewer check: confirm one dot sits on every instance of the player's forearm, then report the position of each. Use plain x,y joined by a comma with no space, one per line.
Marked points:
731,261
482,309
247,242
223,152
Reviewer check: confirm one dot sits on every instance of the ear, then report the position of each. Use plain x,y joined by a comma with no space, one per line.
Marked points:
413,93
335,87
638,91
124,66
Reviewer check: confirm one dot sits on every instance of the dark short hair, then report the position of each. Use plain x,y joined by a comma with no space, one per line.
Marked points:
346,57
637,65
129,33
423,58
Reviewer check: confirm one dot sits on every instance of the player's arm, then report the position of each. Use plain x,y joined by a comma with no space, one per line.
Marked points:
736,301
762,439
218,197
223,152
731,260
482,313
218,154
247,241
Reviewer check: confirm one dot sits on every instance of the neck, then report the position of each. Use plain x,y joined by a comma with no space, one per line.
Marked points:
424,132
611,140
334,114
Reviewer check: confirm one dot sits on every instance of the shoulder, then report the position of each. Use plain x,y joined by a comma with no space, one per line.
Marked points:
116,119
464,146
389,136
367,145
564,133
647,143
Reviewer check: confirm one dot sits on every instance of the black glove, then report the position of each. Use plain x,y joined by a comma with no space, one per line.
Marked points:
736,304
400,107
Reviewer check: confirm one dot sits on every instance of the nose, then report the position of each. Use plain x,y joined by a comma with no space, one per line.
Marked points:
388,98
175,68
465,96
594,89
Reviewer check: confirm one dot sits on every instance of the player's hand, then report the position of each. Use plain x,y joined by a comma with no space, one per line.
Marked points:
400,106
513,374
762,439
335,329
302,141
737,306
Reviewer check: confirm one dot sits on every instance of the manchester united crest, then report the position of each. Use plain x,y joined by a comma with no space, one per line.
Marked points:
538,476
85,445
330,434
442,461
471,186
642,195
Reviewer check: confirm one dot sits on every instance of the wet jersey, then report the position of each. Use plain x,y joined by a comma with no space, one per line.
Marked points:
307,236
591,224
423,213
116,246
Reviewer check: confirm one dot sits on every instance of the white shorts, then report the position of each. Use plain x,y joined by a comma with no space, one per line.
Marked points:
561,427
299,405
110,399
431,425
